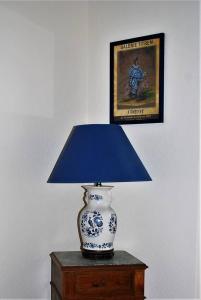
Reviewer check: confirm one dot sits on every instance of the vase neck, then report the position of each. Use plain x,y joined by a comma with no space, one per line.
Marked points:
98,195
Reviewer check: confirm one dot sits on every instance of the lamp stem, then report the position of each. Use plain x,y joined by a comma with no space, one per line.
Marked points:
98,184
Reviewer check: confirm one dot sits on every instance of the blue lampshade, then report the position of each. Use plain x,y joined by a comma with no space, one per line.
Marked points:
98,153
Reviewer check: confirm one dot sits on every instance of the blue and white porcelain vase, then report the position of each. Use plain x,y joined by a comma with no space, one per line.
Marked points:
97,222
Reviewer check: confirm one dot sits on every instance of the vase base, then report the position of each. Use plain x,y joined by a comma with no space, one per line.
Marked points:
93,254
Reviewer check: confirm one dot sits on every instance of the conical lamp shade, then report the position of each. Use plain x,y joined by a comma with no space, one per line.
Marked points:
98,153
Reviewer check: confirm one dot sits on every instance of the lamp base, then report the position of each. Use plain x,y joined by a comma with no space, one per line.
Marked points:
91,254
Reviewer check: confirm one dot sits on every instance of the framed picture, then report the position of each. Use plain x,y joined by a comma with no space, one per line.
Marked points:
136,80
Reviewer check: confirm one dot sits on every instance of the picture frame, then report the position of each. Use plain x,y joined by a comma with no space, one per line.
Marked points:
137,80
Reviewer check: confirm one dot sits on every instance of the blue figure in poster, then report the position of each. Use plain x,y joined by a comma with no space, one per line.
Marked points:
136,75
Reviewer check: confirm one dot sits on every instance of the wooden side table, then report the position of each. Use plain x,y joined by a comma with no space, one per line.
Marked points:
76,278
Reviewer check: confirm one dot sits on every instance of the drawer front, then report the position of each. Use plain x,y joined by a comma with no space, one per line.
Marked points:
104,283
121,297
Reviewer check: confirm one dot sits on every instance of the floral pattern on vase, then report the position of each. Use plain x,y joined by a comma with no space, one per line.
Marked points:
95,197
100,246
91,223
113,223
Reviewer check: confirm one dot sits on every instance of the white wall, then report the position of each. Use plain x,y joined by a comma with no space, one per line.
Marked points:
199,232
43,93
47,51
162,216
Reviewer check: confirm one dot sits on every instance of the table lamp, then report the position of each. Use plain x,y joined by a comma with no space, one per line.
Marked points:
98,153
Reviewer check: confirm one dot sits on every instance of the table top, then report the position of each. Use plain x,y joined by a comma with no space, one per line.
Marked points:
75,259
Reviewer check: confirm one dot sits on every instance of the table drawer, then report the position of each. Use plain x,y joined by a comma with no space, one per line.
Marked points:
104,283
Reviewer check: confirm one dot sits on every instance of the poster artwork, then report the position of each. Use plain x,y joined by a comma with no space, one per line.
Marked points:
137,80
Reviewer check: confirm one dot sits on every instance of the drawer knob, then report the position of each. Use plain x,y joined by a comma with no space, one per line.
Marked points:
98,284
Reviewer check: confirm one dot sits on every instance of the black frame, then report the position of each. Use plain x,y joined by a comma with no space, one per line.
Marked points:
138,119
